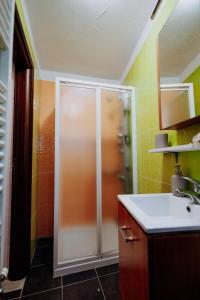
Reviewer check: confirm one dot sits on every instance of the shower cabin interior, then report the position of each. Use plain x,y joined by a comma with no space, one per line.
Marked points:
95,159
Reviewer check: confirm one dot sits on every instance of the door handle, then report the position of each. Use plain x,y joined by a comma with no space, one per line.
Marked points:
127,235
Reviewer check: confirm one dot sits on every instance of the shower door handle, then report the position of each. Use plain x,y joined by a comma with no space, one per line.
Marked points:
127,234
120,135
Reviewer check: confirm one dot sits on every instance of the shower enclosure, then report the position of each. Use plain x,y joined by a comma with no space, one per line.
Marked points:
95,159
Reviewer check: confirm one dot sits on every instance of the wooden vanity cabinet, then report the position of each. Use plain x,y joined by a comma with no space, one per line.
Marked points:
163,266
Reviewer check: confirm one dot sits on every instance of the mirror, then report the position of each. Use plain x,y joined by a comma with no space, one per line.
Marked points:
179,61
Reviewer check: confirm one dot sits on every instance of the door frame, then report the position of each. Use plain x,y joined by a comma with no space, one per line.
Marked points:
20,228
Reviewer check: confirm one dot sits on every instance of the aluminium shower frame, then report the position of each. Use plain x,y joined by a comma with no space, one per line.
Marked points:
100,259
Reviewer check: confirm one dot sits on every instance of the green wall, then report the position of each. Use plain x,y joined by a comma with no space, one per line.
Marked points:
155,170
195,79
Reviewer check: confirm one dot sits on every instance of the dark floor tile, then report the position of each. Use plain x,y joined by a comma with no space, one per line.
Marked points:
107,269
76,277
110,285
40,279
43,255
11,295
49,295
47,241
86,290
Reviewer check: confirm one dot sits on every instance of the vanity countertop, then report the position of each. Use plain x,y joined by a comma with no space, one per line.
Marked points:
162,212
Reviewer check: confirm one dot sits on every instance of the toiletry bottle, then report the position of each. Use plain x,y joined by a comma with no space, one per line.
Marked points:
177,181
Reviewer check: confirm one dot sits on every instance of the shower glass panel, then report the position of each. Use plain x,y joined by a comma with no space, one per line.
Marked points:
115,162
77,238
93,155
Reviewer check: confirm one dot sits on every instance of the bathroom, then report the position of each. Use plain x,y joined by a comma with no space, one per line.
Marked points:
94,123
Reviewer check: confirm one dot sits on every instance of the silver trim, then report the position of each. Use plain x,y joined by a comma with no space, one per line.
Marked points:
56,174
79,260
83,86
97,84
89,86
100,259
134,141
98,171
110,254
86,266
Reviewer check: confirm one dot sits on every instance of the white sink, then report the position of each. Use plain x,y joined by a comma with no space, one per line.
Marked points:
162,212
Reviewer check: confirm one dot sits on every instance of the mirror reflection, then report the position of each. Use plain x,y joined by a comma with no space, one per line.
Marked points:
179,51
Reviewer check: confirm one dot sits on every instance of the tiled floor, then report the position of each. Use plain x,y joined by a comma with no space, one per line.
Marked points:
95,284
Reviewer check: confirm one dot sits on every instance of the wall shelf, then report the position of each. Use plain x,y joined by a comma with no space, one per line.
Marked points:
173,149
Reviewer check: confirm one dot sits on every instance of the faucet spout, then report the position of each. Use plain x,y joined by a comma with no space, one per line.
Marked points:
194,196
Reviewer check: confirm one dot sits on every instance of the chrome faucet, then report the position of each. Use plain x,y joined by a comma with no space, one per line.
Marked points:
196,183
194,197
193,194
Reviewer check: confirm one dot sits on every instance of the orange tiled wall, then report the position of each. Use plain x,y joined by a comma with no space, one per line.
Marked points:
35,163
46,159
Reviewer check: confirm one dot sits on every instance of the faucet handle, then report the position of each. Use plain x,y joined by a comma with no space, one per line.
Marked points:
196,183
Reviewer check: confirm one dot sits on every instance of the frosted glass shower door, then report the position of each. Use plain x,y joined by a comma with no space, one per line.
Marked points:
77,232
112,116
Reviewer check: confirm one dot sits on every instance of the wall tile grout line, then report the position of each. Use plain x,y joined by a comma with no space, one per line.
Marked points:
100,284
62,284
33,266
77,282
108,274
43,291
22,289
34,252
40,265
44,246
62,287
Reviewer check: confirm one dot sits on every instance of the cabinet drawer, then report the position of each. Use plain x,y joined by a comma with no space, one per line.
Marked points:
126,221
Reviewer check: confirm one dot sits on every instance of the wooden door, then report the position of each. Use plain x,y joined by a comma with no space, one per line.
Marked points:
20,235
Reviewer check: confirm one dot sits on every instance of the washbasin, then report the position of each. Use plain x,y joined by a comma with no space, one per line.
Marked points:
162,212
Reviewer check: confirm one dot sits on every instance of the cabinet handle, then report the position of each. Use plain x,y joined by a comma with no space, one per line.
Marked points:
124,227
130,237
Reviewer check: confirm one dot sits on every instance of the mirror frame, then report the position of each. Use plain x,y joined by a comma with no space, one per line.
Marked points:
181,125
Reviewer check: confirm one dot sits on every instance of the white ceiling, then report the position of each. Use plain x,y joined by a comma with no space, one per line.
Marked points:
87,37
179,39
